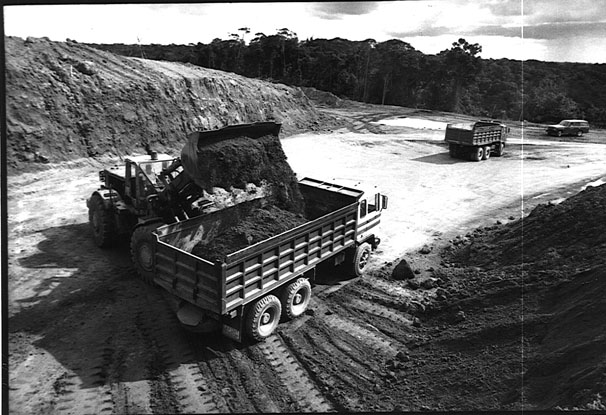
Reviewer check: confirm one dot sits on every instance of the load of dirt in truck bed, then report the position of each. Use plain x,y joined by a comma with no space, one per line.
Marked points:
528,299
235,158
260,224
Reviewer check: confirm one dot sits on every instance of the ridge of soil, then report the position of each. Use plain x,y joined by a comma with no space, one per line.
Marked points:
529,298
66,101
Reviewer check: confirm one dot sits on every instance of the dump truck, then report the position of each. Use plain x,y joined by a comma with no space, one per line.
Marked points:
163,208
476,141
250,290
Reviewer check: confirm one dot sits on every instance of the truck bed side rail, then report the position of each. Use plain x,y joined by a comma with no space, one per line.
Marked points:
256,270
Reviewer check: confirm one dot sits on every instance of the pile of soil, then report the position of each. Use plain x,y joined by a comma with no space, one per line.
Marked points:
260,224
66,101
565,234
533,293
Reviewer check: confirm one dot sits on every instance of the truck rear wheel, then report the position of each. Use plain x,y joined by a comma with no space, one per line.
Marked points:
486,155
295,298
143,251
477,154
263,318
102,222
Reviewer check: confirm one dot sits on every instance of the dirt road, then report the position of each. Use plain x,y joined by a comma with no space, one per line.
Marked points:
432,195
86,336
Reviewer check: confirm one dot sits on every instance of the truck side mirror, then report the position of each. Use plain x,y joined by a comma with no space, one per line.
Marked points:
383,202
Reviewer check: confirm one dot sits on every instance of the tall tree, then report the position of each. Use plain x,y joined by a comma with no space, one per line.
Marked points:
461,65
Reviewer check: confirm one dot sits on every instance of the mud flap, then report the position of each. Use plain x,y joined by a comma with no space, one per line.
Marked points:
195,319
232,324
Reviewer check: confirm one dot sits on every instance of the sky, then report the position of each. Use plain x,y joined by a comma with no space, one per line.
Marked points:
547,30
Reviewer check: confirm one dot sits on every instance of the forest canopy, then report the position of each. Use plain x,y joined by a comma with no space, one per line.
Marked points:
394,73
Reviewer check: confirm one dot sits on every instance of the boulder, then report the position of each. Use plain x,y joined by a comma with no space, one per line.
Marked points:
402,271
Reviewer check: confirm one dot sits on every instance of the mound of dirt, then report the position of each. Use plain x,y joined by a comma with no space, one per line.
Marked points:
260,224
539,284
565,234
323,97
65,100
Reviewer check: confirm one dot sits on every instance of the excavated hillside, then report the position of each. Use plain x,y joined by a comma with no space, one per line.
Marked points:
67,101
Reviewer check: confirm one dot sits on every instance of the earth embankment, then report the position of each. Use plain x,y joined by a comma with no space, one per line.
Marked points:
66,101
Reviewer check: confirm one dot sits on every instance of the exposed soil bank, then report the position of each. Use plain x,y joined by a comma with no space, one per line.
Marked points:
515,312
66,100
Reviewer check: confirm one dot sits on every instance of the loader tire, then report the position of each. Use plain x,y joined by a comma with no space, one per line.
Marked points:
295,298
143,251
102,222
263,318
360,259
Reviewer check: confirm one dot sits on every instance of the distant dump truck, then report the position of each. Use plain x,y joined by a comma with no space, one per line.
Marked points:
476,141
247,286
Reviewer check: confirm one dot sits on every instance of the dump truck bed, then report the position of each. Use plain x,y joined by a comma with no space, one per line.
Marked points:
220,286
475,134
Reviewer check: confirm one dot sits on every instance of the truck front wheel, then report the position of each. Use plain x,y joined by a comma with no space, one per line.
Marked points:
477,154
143,252
499,150
361,258
295,298
263,317
102,222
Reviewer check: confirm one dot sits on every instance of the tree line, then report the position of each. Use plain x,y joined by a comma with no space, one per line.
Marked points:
395,73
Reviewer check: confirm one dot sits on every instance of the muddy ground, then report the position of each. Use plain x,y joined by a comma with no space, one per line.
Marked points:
86,336
504,310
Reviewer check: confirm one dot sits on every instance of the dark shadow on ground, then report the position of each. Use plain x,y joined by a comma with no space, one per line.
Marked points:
440,158
92,313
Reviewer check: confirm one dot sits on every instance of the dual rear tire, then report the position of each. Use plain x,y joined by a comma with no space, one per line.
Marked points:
264,315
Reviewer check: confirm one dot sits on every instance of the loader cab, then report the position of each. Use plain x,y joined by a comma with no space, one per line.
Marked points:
142,177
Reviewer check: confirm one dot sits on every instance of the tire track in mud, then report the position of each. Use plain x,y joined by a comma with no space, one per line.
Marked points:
335,363
176,383
233,377
349,340
83,390
293,376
